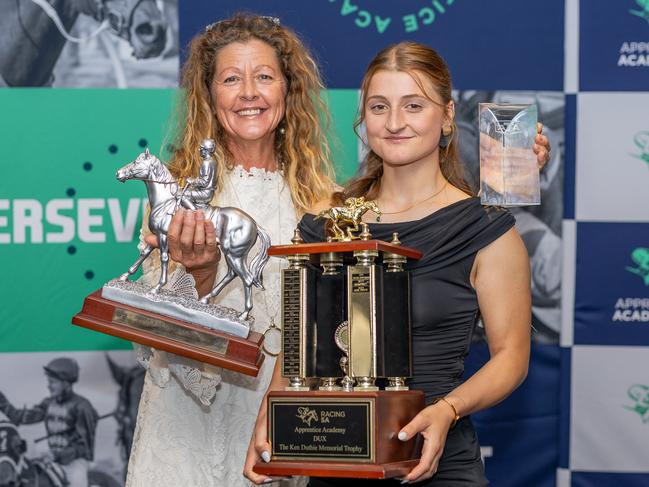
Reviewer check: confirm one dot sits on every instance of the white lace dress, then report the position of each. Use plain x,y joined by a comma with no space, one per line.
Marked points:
195,421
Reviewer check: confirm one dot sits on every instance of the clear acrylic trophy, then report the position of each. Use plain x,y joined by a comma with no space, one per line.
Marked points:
509,174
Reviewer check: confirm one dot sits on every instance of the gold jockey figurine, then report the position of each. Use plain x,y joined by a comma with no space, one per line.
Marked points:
347,217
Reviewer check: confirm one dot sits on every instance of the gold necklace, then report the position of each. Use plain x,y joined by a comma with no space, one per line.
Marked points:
378,215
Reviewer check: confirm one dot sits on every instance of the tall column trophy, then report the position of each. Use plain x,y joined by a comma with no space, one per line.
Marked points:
170,316
346,343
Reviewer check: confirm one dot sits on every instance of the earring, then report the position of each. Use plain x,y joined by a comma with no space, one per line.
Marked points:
282,130
447,135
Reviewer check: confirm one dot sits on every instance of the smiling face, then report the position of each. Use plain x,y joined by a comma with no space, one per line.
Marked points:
404,123
248,91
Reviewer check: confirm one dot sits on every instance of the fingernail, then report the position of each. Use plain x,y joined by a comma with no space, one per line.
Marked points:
403,436
265,456
268,480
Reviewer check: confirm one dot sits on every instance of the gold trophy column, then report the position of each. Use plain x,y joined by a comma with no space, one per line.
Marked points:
362,306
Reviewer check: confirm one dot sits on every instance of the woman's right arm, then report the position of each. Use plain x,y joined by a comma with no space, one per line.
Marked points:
259,448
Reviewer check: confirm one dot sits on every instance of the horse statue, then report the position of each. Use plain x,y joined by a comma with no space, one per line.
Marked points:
236,231
31,42
348,216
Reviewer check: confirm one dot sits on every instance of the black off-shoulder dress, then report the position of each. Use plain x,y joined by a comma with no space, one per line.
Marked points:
444,312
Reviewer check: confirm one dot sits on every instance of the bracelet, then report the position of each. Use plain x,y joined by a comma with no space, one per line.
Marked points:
457,416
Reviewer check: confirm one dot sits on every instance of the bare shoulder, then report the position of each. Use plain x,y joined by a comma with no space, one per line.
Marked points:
507,253
509,244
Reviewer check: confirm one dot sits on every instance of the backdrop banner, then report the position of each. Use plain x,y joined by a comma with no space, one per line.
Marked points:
67,225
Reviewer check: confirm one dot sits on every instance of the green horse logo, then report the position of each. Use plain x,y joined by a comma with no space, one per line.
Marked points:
644,13
641,257
641,140
640,395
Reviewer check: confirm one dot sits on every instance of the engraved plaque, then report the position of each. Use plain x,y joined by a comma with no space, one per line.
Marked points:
318,429
292,311
189,336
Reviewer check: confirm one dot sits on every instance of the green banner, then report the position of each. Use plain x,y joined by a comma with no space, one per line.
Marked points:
66,224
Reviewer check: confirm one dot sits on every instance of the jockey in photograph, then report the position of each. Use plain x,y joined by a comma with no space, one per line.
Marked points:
70,420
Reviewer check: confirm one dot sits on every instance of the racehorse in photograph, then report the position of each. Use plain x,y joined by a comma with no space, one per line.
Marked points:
32,33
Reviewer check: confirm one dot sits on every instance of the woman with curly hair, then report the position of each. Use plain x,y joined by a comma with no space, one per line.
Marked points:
250,85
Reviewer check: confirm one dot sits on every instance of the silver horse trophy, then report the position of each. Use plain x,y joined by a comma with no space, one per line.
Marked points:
236,231
169,316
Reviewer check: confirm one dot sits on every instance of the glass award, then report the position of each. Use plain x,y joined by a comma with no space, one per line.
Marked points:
509,174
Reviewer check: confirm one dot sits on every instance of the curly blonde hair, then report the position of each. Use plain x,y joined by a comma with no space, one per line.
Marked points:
303,148
413,58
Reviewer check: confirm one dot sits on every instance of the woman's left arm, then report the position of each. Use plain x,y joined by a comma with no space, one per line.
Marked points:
501,278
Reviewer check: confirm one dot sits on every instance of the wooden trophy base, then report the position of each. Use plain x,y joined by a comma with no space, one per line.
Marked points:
171,335
341,434
336,470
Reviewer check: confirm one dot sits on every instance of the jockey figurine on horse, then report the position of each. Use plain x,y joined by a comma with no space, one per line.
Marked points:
348,217
202,187
236,231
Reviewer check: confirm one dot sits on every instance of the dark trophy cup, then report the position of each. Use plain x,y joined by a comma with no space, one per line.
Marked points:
346,342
